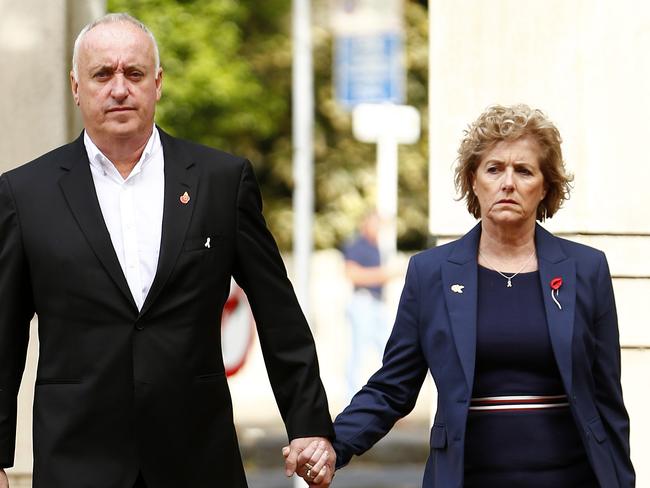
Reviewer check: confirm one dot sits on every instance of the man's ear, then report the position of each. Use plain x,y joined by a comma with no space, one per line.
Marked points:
74,86
159,78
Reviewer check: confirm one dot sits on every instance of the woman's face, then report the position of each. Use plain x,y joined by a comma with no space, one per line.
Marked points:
509,183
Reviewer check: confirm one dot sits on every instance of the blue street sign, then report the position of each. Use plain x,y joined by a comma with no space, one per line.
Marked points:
369,69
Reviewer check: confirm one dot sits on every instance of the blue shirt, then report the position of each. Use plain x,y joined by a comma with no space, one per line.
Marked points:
366,254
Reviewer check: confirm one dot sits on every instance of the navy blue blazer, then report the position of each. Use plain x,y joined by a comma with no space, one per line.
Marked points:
435,330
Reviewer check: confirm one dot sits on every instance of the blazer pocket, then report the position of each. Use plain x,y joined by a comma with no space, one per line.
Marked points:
209,377
57,381
597,429
201,243
438,439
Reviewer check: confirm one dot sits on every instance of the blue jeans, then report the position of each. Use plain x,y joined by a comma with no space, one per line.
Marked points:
369,330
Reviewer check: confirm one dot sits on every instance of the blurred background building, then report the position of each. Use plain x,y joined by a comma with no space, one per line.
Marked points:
228,84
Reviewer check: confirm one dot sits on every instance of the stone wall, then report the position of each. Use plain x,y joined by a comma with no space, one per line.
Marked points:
36,114
585,64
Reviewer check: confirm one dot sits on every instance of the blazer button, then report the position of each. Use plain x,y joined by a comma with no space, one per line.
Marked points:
139,326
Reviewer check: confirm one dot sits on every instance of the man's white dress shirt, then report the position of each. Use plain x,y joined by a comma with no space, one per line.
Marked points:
133,211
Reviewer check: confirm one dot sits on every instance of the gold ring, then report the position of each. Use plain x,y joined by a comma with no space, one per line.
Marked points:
309,474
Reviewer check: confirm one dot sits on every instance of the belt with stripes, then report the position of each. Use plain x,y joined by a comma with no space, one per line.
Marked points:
518,402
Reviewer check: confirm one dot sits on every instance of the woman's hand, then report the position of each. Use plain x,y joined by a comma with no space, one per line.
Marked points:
315,463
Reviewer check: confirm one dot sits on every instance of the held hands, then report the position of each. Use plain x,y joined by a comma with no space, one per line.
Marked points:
311,458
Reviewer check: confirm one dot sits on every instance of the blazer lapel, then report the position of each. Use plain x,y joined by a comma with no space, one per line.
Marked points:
180,177
79,191
553,263
461,269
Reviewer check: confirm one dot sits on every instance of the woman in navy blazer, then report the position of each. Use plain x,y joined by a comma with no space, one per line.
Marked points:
517,327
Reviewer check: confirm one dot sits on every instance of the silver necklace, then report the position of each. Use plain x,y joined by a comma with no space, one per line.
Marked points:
509,278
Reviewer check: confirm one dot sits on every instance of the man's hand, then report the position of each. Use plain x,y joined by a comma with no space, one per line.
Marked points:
311,458
4,481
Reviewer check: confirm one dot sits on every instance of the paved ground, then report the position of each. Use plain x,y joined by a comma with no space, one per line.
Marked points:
408,476
367,476
397,461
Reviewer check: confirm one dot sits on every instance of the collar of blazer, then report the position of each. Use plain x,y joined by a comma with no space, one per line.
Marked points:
79,191
461,267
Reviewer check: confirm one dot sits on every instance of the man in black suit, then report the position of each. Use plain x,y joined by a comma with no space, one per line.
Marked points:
124,243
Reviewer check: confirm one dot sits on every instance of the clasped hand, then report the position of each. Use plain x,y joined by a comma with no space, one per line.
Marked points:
311,458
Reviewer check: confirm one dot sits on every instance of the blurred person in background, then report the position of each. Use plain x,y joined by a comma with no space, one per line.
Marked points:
124,242
366,310
518,328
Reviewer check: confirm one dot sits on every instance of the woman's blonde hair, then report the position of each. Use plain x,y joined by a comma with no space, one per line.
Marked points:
509,123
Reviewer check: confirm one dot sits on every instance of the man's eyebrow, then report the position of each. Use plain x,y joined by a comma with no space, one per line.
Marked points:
111,67
101,67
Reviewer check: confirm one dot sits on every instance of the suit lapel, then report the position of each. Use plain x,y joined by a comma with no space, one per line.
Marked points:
461,269
180,177
79,191
553,263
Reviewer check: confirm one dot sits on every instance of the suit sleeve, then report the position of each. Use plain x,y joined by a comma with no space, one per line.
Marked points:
286,340
391,392
607,377
16,311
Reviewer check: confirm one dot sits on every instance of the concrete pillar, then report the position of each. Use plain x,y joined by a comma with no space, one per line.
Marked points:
36,115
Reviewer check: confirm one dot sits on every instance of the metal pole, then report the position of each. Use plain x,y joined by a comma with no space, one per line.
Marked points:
303,156
387,159
303,151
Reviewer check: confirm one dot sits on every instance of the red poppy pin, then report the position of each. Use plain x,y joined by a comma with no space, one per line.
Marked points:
556,283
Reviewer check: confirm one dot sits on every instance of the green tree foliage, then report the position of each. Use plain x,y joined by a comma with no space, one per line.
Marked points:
227,84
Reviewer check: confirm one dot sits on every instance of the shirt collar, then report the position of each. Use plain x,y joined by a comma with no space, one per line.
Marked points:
99,161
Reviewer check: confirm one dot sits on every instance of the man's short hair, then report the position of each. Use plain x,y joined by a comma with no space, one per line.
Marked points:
110,19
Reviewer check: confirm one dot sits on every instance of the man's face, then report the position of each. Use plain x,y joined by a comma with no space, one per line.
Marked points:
117,86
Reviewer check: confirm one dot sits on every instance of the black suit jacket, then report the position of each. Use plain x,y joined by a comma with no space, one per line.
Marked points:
120,391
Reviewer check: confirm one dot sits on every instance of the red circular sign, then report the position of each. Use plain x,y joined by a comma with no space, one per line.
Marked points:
237,330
